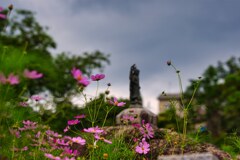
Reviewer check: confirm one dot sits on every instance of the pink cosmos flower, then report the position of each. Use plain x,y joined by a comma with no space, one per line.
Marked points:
146,130
80,116
107,141
2,78
116,103
73,122
137,125
97,137
23,104
28,125
143,147
135,139
32,74
36,97
66,129
79,140
52,157
97,77
52,133
38,134
21,149
127,117
2,16
67,150
62,142
25,148
67,158
15,132
77,74
93,130
12,79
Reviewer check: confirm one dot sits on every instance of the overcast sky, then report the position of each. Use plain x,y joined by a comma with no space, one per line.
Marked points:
191,33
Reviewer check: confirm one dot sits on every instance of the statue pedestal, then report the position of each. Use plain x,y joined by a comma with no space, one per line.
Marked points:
138,113
135,113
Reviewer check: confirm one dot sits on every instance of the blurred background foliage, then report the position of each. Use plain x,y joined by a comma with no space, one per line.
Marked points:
219,92
24,43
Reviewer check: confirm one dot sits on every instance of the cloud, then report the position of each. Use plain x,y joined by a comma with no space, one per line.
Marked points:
193,34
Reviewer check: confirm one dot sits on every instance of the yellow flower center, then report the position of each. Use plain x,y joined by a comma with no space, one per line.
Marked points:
79,78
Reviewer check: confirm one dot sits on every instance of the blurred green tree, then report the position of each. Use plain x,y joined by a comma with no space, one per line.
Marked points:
23,29
25,33
219,92
24,43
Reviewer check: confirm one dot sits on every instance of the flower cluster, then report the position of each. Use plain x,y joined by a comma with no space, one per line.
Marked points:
48,142
13,79
147,132
52,144
40,102
77,74
28,125
79,140
73,122
127,119
83,80
97,135
2,16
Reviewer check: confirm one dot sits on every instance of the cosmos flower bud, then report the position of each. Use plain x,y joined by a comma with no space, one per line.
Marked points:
10,7
169,63
107,92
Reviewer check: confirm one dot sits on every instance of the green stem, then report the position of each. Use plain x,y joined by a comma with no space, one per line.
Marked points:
13,148
6,92
4,52
185,121
101,102
173,105
180,85
194,92
108,111
24,52
86,102
95,105
89,112
23,90
40,141
74,132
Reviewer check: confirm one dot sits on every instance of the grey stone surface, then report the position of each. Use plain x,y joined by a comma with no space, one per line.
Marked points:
196,156
139,114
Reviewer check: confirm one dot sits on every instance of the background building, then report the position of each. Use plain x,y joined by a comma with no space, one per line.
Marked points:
169,100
